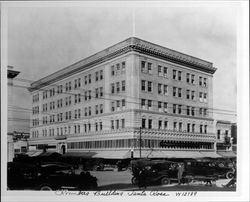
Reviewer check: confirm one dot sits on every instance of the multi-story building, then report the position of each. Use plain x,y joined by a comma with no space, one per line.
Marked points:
224,143
133,98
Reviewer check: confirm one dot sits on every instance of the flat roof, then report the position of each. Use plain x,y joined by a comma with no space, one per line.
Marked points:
128,45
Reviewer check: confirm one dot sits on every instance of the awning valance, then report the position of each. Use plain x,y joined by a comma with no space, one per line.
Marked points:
80,154
228,154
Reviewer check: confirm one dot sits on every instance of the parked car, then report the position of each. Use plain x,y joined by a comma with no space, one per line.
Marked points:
156,171
207,168
47,176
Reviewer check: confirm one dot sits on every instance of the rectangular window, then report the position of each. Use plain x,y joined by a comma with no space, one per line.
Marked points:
165,124
143,85
218,134
117,124
89,94
165,89
150,68
174,108
200,111
205,112
96,76
160,73
100,125
96,109
143,123
174,74
123,123
86,95
205,97
205,82
69,85
86,80
112,125
143,67
75,84
86,111
179,92
123,103
160,124
188,77
174,91
179,75
112,88
160,106
150,87
117,87
205,129
192,111
165,107
112,70
89,78
188,127
143,103
118,104
193,127
180,126
123,68
101,108
123,85
188,110
188,94
201,128
101,91
179,109
159,88
96,93
101,75
165,71
175,126
79,82
89,111
201,96
150,104
193,95
200,81
192,78
117,69
112,106
150,123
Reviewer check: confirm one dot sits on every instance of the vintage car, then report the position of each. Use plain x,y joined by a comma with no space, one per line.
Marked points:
47,176
156,171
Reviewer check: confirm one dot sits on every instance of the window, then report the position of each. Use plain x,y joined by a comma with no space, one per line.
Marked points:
69,85
160,73
79,82
112,70
188,77
117,124
201,128
205,97
143,67
123,68
193,95
150,123
101,75
175,126
101,91
86,95
89,111
149,86
96,76
123,86
180,126
160,124
117,69
112,125
96,109
174,91
89,94
205,82
100,124
89,78
86,80
123,123
143,123
165,71
218,134
192,111
165,124
193,127
174,108
96,92
179,75
117,87
150,104
200,112
205,112
188,94
143,85
150,68
112,88
159,88
165,89
143,103
160,106
205,129
96,126
188,127
123,103
192,78
174,74
86,111
75,84
101,108
200,81
201,96
179,92
118,104
179,109
112,106
165,107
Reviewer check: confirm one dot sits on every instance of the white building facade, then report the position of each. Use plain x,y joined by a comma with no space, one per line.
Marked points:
133,98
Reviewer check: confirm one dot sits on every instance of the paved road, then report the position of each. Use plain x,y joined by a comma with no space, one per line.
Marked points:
113,180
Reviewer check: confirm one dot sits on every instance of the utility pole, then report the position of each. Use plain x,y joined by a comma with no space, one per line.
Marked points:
140,142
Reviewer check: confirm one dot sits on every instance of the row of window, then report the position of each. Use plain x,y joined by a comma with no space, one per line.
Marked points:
118,87
135,143
118,69
35,110
118,105
35,97
177,126
147,67
117,124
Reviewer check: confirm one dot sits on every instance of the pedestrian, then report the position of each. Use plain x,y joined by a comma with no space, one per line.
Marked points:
180,169
142,178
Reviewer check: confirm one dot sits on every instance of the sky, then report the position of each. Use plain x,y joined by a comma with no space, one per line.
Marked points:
42,40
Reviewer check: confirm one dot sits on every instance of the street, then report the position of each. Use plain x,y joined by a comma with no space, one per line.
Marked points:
113,180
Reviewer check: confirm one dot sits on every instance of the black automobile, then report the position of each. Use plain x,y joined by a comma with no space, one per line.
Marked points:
47,176
154,171
207,168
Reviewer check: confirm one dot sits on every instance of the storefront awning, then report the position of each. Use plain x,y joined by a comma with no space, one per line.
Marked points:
210,155
80,154
113,154
227,154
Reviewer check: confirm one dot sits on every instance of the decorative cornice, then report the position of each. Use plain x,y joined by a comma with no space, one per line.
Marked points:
128,45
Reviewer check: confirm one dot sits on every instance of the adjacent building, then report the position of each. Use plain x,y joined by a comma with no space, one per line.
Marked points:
133,99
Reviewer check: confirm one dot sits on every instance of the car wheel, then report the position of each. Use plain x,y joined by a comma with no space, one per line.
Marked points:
134,181
229,175
165,181
45,188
